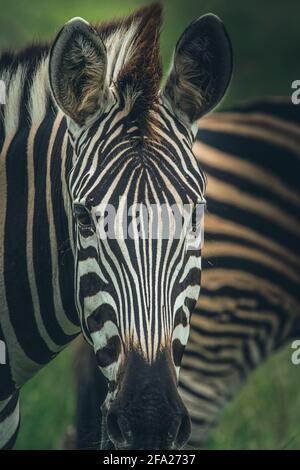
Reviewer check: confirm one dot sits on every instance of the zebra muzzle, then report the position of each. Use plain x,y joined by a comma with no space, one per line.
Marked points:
148,412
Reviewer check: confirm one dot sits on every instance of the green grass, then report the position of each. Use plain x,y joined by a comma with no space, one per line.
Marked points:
265,37
47,405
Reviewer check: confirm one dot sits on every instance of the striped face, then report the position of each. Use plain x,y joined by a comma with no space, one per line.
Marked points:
136,193
136,203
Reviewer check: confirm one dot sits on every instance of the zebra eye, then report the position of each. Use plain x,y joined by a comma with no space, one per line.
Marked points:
82,215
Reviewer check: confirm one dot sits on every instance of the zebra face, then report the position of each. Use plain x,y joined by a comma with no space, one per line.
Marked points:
138,239
136,193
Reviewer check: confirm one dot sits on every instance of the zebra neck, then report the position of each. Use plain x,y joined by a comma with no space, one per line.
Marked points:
52,235
38,314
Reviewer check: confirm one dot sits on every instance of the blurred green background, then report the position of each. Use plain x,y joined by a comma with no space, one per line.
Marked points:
266,43
265,33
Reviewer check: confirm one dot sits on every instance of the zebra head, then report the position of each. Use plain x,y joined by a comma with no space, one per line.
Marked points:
131,164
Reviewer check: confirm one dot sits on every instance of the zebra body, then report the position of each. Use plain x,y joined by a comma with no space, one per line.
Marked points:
250,293
250,297
84,127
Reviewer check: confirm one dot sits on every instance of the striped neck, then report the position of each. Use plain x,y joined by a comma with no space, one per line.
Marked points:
37,259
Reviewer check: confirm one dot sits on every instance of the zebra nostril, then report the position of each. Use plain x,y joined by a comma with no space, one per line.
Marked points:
183,432
118,428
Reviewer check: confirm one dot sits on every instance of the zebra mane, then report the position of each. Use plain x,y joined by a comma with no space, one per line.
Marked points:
134,63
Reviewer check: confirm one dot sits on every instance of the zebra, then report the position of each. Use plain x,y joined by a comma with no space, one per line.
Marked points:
250,291
86,125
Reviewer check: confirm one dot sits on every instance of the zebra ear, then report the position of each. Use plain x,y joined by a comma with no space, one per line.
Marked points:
77,71
201,69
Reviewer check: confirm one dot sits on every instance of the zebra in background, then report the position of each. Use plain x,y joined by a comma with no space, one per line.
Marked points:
250,290
85,126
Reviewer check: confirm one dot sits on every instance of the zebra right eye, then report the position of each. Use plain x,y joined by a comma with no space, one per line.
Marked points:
82,215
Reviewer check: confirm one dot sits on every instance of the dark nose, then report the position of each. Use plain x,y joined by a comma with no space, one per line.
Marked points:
163,432
148,412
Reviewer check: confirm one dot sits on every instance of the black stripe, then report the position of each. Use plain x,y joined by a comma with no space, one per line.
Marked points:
217,239
282,109
64,255
7,385
276,159
257,222
261,271
2,136
101,315
110,353
178,350
10,407
41,238
15,262
185,386
241,183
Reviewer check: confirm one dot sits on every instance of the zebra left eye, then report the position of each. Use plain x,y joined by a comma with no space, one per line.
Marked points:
82,215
